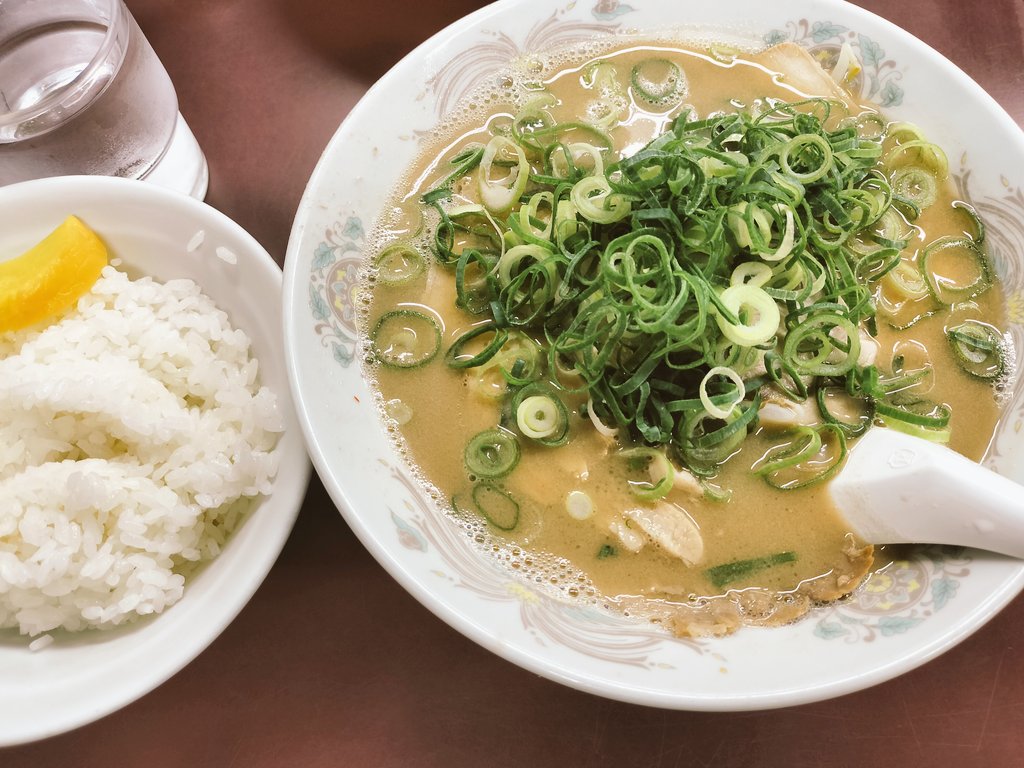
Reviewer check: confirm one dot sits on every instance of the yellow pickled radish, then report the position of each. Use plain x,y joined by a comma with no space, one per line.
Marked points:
51,276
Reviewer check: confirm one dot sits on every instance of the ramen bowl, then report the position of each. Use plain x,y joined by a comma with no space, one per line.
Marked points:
82,676
921,605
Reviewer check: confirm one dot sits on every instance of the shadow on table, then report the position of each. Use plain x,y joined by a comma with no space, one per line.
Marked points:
368,38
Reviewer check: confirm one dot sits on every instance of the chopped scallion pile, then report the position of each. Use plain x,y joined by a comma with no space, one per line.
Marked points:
668,287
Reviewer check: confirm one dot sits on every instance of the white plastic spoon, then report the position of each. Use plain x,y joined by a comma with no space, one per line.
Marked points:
898,489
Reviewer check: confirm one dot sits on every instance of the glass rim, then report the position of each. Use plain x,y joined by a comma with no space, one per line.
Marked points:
115,25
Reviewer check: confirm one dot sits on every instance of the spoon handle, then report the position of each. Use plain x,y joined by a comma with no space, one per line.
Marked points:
899,489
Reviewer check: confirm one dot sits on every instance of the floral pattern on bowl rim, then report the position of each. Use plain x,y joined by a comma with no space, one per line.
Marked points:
894,605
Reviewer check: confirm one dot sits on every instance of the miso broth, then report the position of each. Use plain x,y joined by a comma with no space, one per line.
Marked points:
760,554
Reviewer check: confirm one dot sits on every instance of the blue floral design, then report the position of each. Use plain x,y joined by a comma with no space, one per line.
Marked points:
891,95
346,280
333,280
342,354
606,10
353,229
897,625
318,306
830,629
823,30
898,598
823,39
943,590
323,257
871,53
408,535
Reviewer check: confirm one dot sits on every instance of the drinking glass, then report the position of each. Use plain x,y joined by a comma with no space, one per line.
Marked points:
83,92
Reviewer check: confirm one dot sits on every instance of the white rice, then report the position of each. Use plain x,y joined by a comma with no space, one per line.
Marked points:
131,433
40,642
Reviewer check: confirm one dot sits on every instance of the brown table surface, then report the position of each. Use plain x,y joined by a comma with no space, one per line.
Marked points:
332,663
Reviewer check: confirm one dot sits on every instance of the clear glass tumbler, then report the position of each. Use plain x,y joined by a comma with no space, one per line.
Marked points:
83,92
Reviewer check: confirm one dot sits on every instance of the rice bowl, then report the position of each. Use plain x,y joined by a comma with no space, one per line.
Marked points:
82,676
135,436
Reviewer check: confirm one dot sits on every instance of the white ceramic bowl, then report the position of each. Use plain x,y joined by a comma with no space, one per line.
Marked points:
82,677
900,619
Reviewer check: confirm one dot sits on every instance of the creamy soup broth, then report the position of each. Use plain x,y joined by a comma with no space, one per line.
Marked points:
442,408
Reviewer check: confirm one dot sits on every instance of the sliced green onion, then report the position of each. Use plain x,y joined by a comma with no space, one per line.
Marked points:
519,257
902,379
739,392
535,218
758,313
977,230
657,472
806,444
404,338
961,254
806,157
785,377
600,426
891,230
705,442
659,82
916,185
715,493
722,575
565,162
541,415
659,282
579,505
534,127
489,381
599,75
474,284
538,417
979,349
604,112
854,420
456,357
497,506
935,434
521,359
921,418
398,264
912,148
755,273
806,460
813,348
491,454
906,281
472,224
500,194
464,162
594,200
